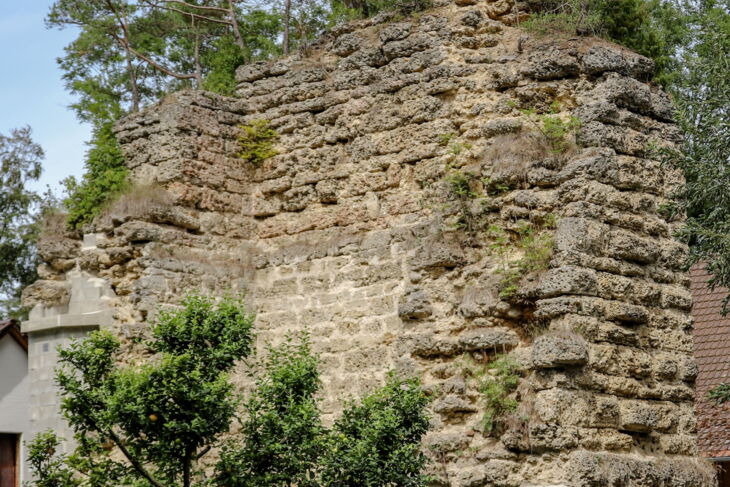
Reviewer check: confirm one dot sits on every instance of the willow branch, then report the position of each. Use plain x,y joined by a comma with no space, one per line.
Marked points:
124,42
187,14
199,7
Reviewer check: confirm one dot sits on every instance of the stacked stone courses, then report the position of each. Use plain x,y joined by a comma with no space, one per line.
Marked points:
347,233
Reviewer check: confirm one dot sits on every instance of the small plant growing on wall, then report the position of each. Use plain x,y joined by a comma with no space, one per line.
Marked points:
536,242
257,142
496,382
557,131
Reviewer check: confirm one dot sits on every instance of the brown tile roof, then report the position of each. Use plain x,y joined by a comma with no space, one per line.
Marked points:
12,327
712,353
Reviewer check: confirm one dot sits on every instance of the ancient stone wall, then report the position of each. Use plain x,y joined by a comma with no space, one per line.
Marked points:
421,216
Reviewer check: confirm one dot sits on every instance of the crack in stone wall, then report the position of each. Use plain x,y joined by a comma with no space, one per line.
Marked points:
343,233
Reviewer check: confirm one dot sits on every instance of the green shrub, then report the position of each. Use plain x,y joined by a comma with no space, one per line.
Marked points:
720,394
105,178
556,131
377,442
257,142
282,434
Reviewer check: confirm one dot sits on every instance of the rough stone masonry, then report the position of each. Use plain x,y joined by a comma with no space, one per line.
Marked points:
414,181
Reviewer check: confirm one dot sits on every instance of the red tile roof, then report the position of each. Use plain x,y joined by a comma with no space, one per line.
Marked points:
712,353
12,327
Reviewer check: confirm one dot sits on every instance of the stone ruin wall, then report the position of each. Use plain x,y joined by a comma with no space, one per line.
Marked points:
349,232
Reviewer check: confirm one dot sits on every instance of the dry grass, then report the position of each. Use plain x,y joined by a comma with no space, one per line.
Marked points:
54,224
140,201
511,156
203,261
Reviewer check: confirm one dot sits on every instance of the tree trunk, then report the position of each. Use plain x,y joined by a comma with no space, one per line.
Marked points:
198,67
287,20
132,73
234,25
187,466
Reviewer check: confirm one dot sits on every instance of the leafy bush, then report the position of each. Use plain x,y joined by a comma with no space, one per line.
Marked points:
105,178
257,142
720,394
282,434
152,424
377,442
558,133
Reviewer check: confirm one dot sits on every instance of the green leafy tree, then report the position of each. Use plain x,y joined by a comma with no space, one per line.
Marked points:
702,96
151,424
20,209
106,176
377,442
129,53
282,436
163,416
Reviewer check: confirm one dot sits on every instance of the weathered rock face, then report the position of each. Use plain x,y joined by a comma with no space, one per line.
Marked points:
398,223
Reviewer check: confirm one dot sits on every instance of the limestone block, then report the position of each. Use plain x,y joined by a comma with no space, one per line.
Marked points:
53,248
488,339
446,442
497,8
559,349
453,404
561,406
408,46
552,63
600,59
568,280
580,234
437,254
47,293
415,305
478,301
347,44
638,417
591,469
138,231
473,18
626,245
395,31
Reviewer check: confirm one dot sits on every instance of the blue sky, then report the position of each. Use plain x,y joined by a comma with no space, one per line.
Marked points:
31,89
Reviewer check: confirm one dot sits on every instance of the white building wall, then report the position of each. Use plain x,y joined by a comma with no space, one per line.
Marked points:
14,394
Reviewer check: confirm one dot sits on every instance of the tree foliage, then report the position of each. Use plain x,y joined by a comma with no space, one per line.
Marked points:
104,178
377,442
20,212
702,97
152,424
282,433
654,28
